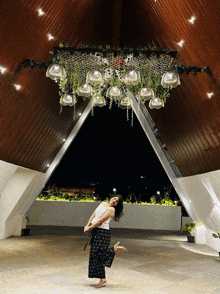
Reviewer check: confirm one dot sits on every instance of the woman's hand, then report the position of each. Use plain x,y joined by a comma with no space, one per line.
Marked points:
86,230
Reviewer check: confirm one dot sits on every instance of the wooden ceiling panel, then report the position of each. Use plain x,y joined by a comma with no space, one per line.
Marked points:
31,128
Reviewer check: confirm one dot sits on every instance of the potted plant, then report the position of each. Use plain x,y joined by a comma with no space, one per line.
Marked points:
189,226
25,232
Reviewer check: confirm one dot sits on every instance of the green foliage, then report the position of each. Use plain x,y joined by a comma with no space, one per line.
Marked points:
132,198
150,79
216,235
153,200
27,220
167,202
189,226
60,195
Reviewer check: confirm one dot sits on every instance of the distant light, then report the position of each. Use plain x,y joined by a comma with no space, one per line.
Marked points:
48,165
17,87
80,113
192,19
158,192
210,94
190,201
114,189
180,43
40,12
2,69
142,177
64,140
93,192
50,37
145,187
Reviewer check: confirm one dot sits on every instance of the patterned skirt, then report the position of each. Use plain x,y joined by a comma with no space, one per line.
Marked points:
100,254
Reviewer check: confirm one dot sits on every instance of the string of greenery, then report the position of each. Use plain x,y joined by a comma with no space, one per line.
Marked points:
72,80
181,69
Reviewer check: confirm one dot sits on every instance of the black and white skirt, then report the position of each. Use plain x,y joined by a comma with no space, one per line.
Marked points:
100,254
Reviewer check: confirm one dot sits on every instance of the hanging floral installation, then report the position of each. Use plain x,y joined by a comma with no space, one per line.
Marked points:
99,73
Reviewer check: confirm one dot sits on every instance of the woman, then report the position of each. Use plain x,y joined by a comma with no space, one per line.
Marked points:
100,254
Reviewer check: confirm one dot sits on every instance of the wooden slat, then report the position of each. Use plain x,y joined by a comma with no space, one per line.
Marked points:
31,129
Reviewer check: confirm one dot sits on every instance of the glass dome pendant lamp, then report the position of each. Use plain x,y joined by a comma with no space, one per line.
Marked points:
146,94
55,71
170,80
68,100
131,77
95,77
156,103
84,90
114,92
125,103
98,100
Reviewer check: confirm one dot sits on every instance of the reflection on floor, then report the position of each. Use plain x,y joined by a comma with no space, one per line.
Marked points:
52,261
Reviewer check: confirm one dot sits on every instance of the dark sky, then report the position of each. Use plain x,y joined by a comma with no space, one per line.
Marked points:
108,149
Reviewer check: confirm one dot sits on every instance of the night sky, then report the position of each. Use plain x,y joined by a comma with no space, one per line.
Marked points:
107,149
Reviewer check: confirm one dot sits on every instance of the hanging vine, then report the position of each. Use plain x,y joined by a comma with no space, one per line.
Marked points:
119,61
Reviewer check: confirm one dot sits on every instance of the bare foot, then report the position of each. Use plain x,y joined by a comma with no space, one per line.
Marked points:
101,283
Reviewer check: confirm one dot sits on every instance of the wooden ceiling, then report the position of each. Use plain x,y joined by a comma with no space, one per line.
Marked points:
31,129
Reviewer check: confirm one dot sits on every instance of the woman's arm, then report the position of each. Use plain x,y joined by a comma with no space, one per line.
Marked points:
108,214
90,220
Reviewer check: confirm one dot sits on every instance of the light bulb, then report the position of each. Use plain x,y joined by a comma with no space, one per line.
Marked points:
40,12
192,19
50,37
80,113
210,94
144,91
180,43
68,98
2,69
132,75
17,87
48,165
64,140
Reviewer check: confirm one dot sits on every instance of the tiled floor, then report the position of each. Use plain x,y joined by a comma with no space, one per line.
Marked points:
52,261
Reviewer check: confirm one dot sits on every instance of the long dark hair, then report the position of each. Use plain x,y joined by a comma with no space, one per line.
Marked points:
118,208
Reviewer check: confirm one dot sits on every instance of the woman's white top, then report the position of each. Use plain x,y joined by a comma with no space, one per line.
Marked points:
98,214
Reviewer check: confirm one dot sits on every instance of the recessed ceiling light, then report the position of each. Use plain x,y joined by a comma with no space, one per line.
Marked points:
17,87
180,43
210,94
40,12
2,69
50,37
192,19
